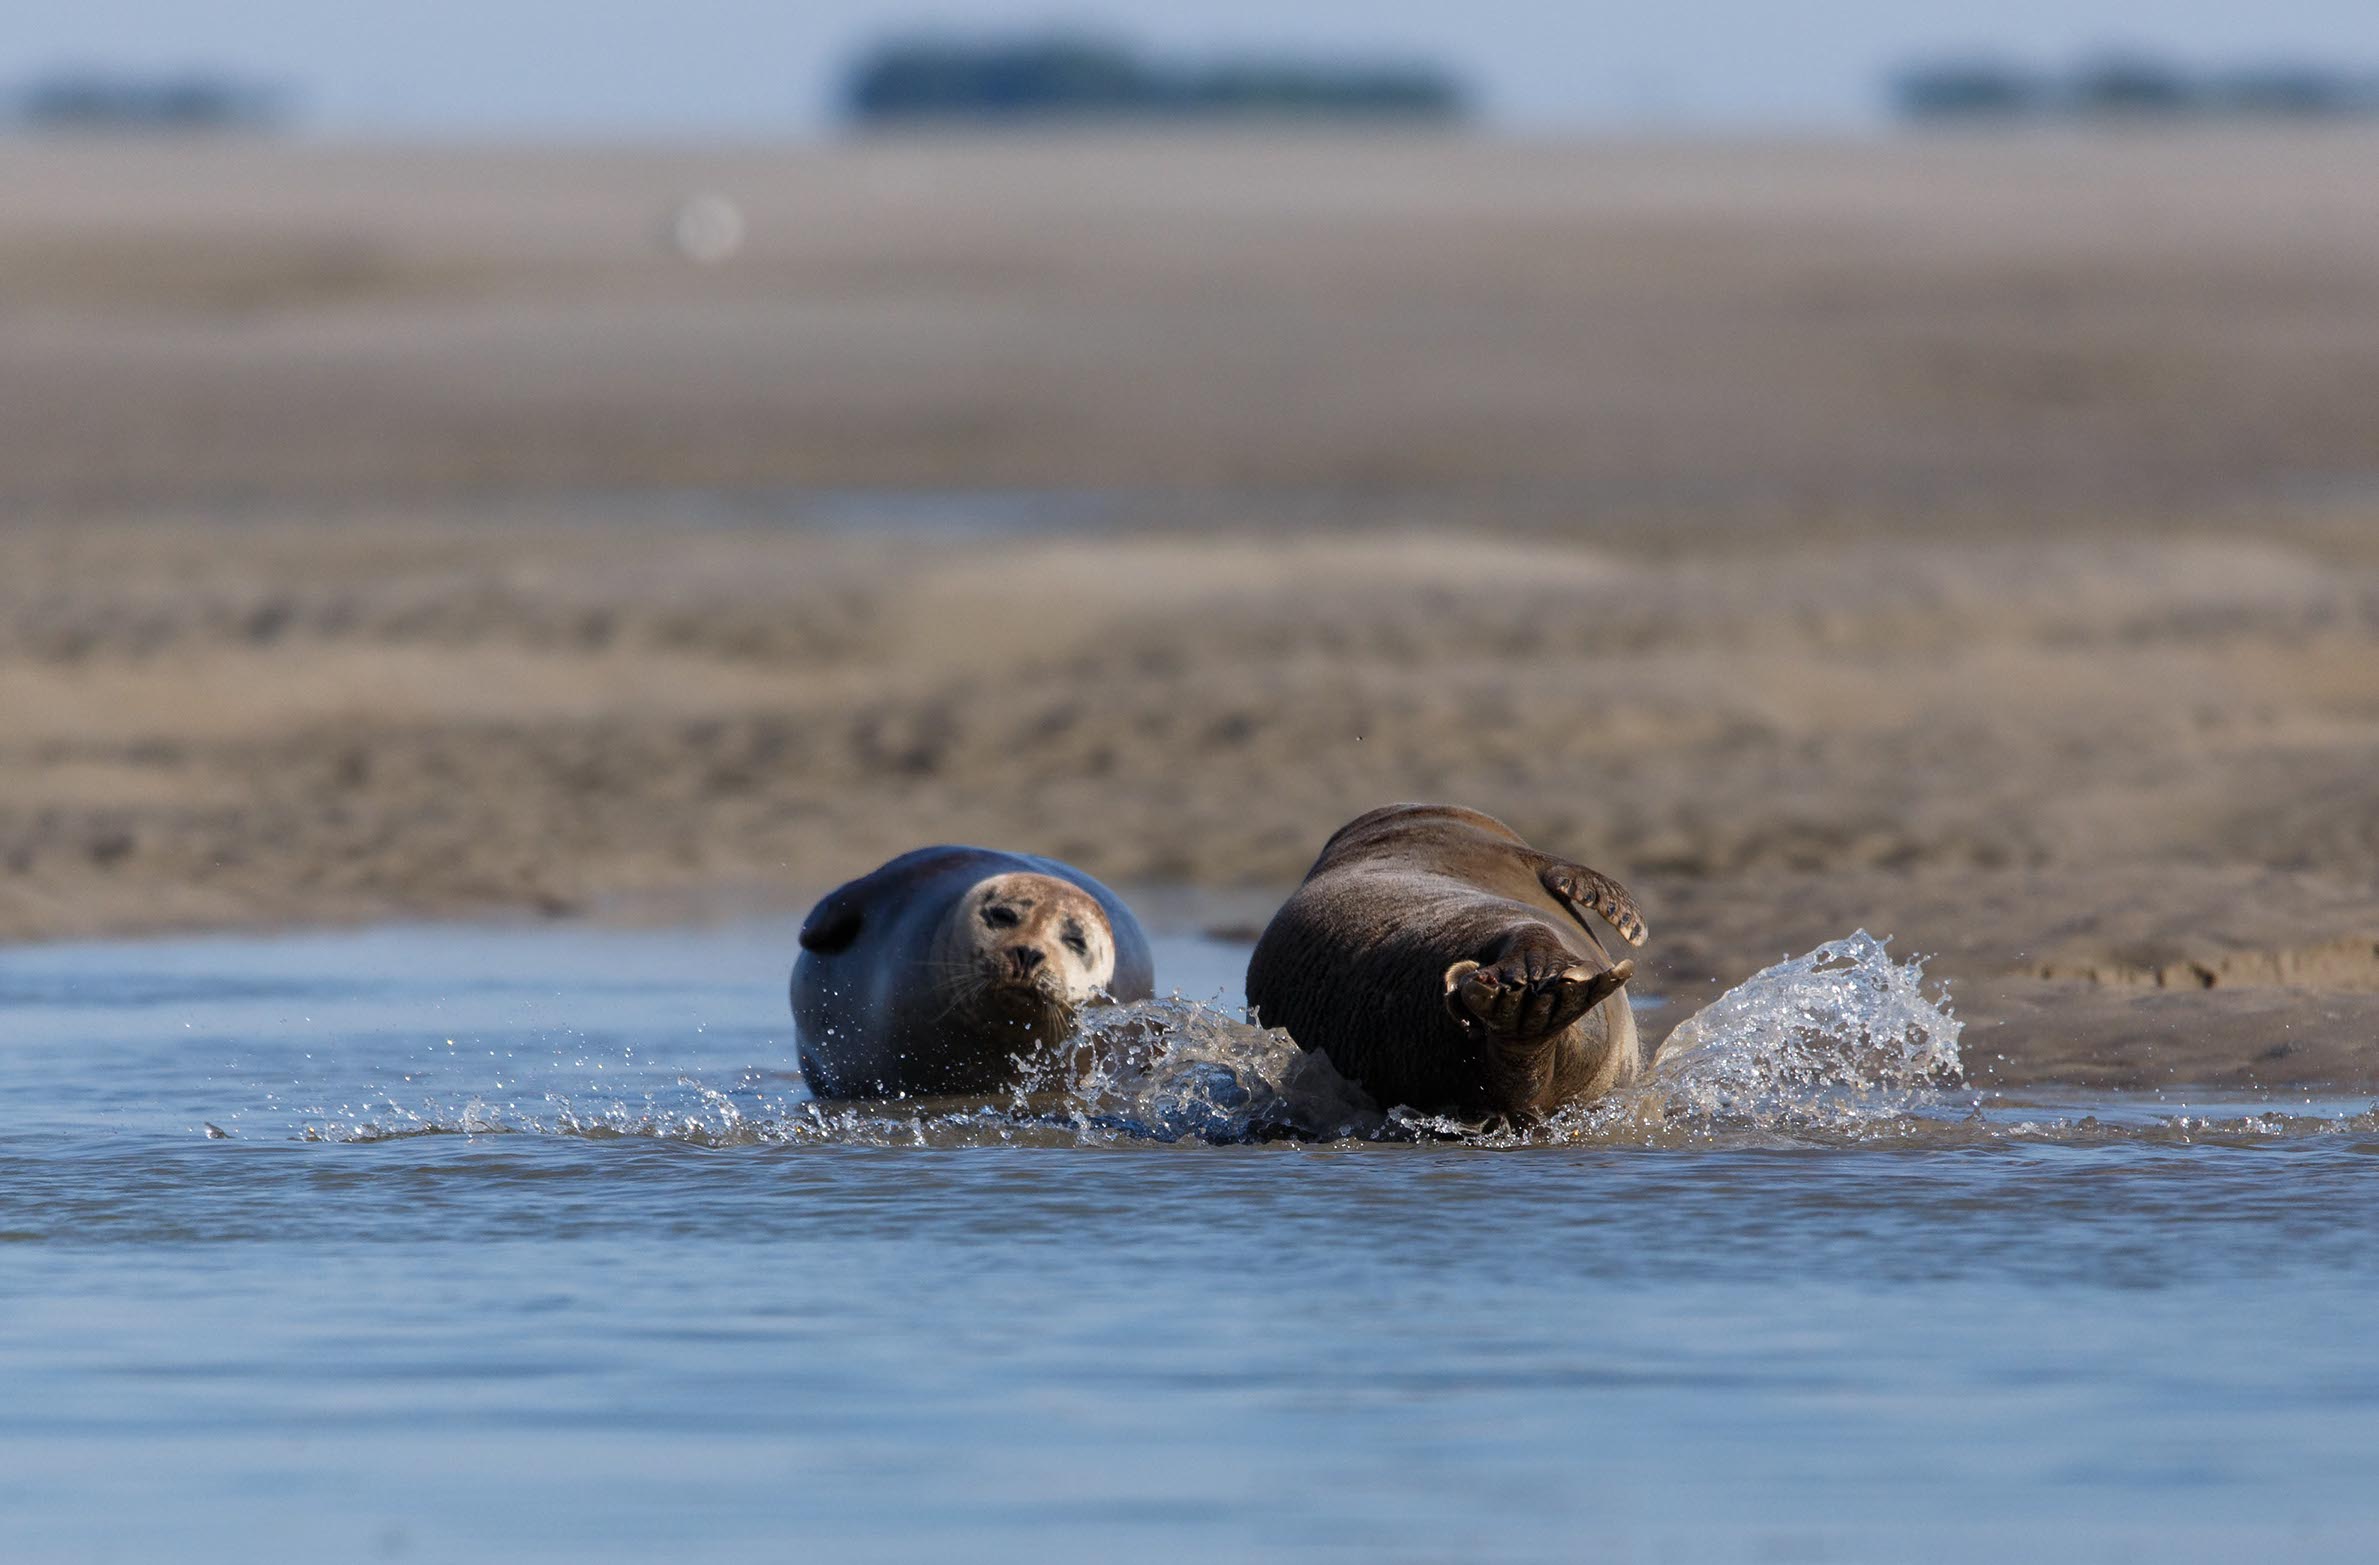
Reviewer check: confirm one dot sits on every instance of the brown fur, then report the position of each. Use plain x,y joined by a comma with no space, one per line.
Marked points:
1444,964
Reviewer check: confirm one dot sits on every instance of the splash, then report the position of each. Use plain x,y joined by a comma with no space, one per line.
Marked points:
1840,1046
1840,1036
1161,1071
1179,1070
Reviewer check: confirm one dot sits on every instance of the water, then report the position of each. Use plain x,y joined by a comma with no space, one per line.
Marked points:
527,1243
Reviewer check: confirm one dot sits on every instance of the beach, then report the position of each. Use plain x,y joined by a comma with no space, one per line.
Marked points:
452,629
1973,540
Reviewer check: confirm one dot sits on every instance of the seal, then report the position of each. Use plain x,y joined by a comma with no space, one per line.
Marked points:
1444,964
938,971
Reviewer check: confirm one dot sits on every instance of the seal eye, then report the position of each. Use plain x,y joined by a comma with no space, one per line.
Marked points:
1000,917
1075,942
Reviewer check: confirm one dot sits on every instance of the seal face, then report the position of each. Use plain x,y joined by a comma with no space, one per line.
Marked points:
938,971
1444,964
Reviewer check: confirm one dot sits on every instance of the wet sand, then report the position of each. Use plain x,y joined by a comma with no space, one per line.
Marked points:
1970,541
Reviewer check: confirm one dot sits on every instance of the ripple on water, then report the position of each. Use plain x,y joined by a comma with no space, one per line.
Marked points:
1841,1046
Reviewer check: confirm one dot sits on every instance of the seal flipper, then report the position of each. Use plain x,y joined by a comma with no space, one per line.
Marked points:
834,923
1520,999
1580,888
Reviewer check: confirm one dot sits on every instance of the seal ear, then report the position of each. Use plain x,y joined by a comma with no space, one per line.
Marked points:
834,923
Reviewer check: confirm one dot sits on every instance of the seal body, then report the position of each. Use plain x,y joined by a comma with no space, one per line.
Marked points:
1444,964
937,971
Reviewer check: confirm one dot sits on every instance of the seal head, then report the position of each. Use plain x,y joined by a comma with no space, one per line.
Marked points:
1024,952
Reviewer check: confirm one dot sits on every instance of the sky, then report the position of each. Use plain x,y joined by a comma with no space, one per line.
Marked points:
750,68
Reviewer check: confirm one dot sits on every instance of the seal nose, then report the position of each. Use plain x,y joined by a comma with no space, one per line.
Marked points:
1027,960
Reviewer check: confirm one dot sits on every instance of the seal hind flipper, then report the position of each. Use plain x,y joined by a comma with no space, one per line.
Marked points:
834,923
1580,888
1518,998
1530,990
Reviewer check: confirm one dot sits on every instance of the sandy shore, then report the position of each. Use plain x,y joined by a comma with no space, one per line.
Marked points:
1971,543
2123,786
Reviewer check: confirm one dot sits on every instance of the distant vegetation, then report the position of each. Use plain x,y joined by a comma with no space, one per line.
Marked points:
192,101
1062,77
2128,86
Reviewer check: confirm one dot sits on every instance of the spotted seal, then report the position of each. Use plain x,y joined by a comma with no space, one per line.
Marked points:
936,972
1444,964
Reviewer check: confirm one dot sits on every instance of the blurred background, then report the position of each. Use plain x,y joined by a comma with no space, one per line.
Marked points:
1862,463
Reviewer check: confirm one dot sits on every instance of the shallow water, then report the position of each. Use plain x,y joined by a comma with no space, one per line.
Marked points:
527,1242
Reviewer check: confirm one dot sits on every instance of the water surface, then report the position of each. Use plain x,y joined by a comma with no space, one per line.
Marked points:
458,1243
